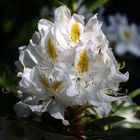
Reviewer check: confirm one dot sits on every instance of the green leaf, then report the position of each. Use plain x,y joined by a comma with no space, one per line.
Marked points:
8,25
135,93
116,134
26,32
54,136
134,125
99,123
97,4
131,108
7,78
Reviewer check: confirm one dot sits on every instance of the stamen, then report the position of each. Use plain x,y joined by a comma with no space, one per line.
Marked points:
113,93
47,104
107,61
121,66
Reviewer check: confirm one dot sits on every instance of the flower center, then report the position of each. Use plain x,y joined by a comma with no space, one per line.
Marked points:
118,21
51,50
83,63
127,34
56,86
45,83
52,87
82,82
75,32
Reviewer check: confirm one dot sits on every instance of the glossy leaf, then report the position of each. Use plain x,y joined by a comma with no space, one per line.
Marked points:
135,93
97,4
116,134
7,78
54,136
99,123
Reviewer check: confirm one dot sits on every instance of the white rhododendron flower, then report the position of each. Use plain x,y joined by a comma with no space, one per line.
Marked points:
68,63
124,37
117,21
129,41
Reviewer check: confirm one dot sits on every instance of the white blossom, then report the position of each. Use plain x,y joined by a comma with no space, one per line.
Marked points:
123,36
129,40
67,63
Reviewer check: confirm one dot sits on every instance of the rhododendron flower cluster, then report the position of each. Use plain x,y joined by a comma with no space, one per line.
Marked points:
67,63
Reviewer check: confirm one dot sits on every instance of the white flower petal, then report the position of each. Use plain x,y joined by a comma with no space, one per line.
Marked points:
71,91
27,59
36,38
62,15
93,24
57,110
61,38
118,20
107,98
121,49
104,109
22,109
44,25
134,49
68,56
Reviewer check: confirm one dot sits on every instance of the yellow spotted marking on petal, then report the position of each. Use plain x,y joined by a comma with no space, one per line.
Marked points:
83,63
52,87
75,32
56,86
51,50
45,83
